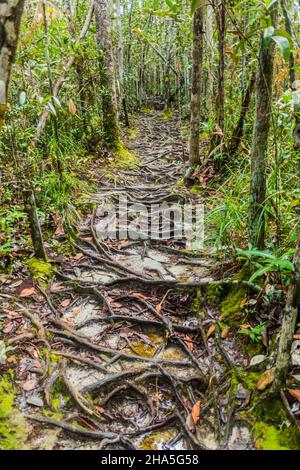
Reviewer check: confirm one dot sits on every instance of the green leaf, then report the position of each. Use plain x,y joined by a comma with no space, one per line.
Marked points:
285,34
260,272
268,34
284,46
270,3
171,5
195,5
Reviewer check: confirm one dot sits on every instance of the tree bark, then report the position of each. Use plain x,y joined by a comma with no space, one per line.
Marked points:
107,71
10,19
209,40
220,100
288,327
264,88
239,129
36,234
292,74
196,85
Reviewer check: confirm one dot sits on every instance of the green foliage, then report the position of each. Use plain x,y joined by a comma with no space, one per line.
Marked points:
255,333
266,262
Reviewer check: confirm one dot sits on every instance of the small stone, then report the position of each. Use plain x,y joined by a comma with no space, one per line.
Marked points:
257,362
295,353
35,400
242,393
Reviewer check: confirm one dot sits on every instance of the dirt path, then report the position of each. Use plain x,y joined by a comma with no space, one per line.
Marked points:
131,363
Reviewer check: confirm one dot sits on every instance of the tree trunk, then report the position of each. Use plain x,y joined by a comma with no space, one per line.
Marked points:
209,40
264,88
239,129
288,327
196,85
10,19
107,71
220,100
292,73
36,234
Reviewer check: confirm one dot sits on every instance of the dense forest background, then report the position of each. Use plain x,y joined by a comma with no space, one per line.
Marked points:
79,81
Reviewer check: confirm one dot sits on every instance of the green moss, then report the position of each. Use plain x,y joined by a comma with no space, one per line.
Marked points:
214,293
271,411
167,114
198,304
40,270
125,159
268,437
248,380
251,348
12,423
146,110
132,133
196,189
231,302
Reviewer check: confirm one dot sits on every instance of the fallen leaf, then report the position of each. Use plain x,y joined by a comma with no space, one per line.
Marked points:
243,302
265,380
265,338
8,328
245,327
76,312
27,292
190,423
196,410
141,296
211,331
188,342
29,385
295,394
65,302
78,256
57,286
72,107
225,332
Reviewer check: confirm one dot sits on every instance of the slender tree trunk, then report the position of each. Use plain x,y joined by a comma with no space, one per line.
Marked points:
239,129
79,68
209,36
288,327
120,50
107,71
196,85
10,19
220,100
264,88
35,229
292,73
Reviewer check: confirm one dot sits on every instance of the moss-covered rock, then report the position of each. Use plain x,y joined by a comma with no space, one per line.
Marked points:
12,424
41,271
269,437
125,159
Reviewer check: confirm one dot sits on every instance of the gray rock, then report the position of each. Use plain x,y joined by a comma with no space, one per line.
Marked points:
35,400
295,353
257,363
242,393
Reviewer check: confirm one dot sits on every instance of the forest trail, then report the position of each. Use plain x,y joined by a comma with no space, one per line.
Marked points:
128,345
